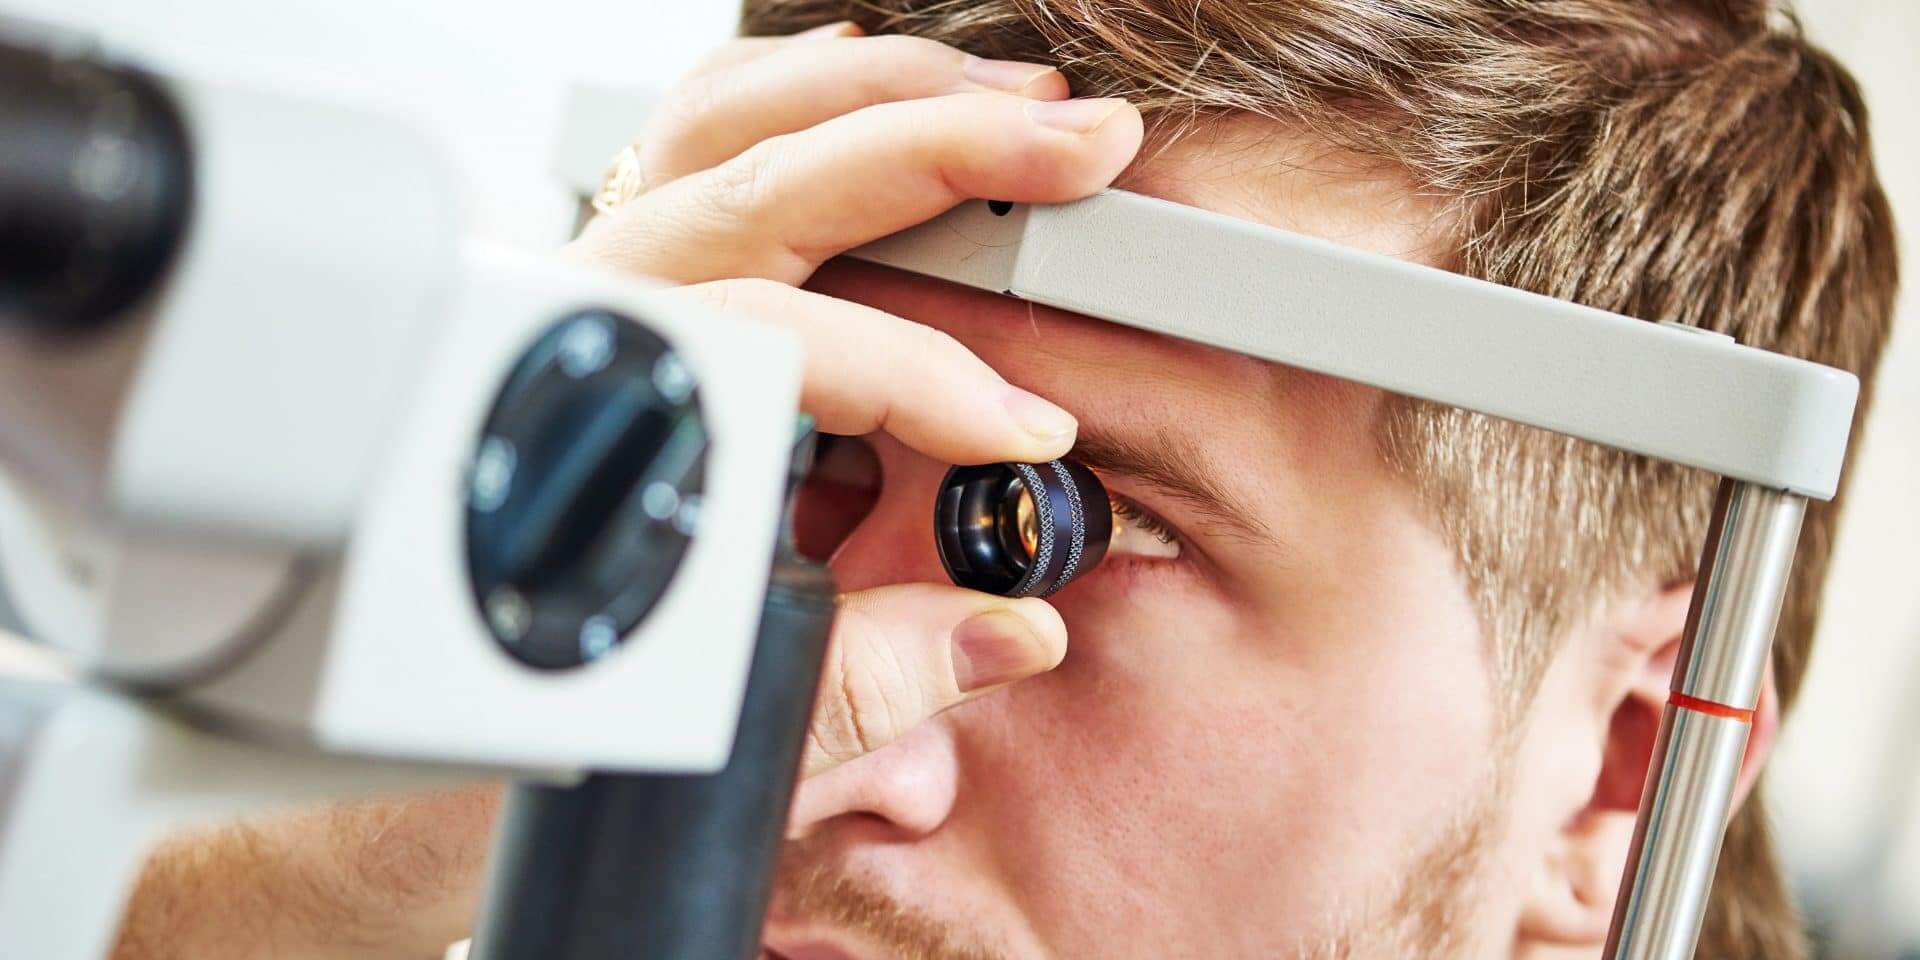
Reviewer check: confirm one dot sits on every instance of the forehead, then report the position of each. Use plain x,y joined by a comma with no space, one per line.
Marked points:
1258,170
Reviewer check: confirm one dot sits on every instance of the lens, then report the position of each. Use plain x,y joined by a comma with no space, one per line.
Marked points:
1021,529
1026,521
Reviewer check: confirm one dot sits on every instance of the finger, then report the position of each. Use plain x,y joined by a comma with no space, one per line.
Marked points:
746,49
869,370
734,53
900,654
715,115
789,203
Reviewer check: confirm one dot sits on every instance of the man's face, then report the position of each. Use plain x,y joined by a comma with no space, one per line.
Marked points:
1280,741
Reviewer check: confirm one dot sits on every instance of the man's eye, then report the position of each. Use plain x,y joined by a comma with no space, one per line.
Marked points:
1139,533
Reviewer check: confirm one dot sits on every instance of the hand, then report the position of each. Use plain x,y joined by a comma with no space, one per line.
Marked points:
783,153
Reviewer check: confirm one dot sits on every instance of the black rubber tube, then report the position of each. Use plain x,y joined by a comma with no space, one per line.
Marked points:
624,867
96,189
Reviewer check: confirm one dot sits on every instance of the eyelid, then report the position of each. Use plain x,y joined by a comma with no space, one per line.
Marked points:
1140,532
1129,509
1190,551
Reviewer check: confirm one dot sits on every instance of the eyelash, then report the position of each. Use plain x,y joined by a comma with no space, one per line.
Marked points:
1139,516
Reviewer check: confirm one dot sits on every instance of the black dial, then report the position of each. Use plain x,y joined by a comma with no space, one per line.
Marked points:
584,490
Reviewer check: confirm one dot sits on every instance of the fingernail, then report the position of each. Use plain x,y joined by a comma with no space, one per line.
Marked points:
993,648
1040,418
1074,116
1013,76
844,28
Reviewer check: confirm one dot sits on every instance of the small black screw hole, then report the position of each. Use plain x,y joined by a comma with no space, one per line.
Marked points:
1000,208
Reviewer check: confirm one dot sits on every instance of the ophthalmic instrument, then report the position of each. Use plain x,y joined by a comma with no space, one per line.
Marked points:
316,500
320,500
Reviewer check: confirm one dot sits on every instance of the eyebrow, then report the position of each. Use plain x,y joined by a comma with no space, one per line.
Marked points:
1176,464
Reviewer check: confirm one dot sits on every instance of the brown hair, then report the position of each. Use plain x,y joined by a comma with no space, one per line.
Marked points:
1695,161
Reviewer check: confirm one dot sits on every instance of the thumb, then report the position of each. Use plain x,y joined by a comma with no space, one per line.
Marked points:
902,653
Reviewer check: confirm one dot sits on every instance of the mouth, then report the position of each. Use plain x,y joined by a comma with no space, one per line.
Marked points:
813,950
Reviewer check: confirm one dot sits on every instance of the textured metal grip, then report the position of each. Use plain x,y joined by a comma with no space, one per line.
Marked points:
626,867
1042,563
1077,545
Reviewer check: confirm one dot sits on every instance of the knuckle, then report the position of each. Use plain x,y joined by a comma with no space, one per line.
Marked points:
681,116
836,727
869,695
741,187
897,68
755,296
682,105
726,55
932,346
935,353
1037,156
742,197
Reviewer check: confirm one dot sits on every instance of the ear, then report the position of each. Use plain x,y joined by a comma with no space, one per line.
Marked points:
1634,663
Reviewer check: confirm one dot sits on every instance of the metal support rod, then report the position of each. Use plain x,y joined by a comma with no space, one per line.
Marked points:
1703,732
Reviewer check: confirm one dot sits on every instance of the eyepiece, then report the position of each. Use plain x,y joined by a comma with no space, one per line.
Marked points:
1021,529
96,189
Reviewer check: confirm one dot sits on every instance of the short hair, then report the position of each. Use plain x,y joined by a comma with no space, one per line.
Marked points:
1697,161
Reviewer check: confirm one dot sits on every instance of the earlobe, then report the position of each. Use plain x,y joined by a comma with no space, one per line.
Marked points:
1576,907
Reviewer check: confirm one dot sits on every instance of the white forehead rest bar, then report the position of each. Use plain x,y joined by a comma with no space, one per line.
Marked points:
1667,391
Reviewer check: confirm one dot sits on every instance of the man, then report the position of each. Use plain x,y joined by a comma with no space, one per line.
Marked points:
1388,681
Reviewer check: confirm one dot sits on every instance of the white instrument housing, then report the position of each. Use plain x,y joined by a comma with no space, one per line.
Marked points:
254,499
399,609
241,515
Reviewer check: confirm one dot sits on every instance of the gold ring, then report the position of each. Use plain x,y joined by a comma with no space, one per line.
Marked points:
623,181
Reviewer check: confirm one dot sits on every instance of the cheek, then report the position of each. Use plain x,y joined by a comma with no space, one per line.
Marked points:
1198,759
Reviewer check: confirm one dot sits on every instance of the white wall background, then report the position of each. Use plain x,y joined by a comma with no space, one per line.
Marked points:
489,78
1847,778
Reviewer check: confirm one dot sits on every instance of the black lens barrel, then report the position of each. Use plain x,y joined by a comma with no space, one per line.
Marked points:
96,189
972,526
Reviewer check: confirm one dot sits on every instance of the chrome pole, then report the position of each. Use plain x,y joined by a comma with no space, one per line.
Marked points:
1703,731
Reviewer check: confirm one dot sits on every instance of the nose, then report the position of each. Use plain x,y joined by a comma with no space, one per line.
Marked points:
906,788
